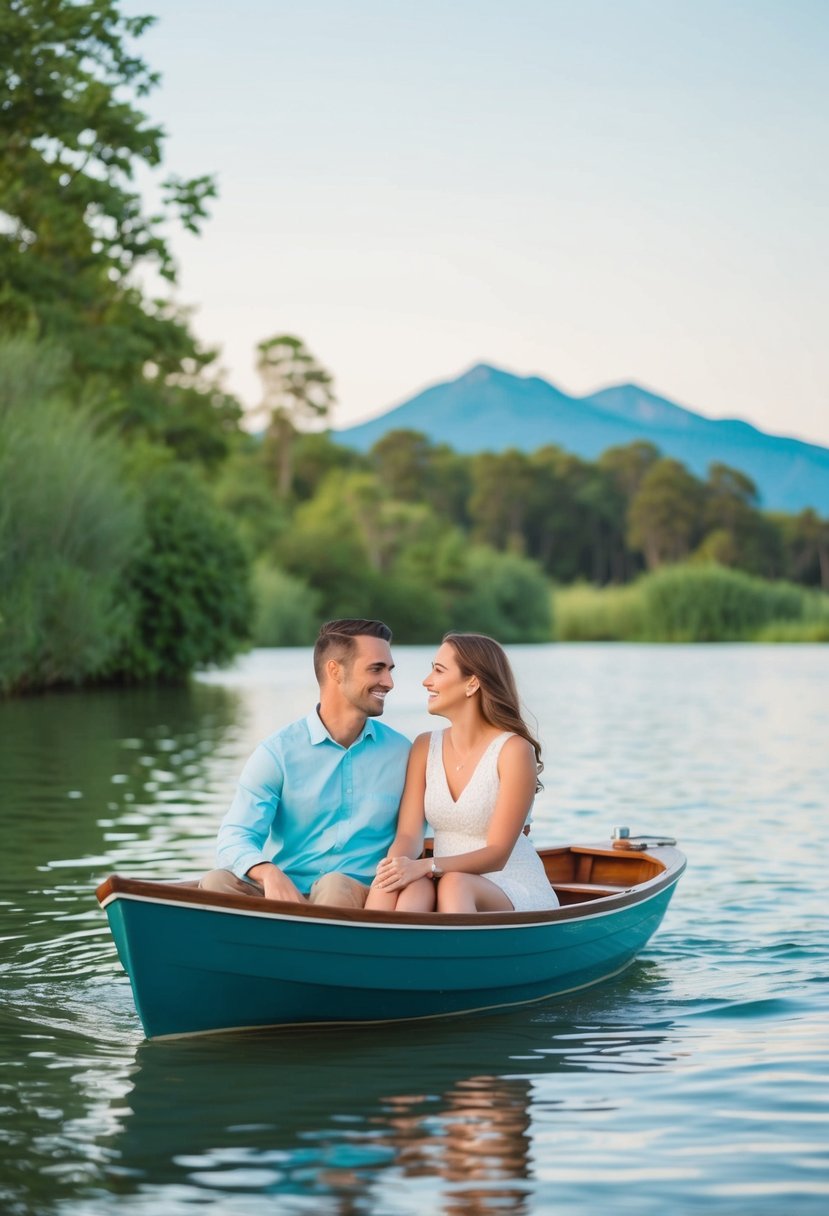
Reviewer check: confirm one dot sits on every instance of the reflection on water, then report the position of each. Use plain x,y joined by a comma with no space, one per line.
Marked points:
332,1113
696,1078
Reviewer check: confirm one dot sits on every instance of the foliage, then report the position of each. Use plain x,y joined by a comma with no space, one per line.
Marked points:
664,514
806,546
286,609
795,631
243,490
692,603
506,596
315,455
68,526
712,604
188,584
584,613
75,234
297,391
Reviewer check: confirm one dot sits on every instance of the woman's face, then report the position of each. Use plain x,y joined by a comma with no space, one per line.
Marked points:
445,683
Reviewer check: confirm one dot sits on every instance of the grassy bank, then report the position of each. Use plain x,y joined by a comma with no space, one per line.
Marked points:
692,603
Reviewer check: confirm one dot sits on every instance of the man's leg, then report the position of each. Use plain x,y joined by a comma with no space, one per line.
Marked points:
338,891
225,882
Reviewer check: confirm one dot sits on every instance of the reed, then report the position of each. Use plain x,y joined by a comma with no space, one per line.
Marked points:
584,613
692,603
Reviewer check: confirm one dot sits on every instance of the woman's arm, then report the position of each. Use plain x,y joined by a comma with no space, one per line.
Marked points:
408,841
518,775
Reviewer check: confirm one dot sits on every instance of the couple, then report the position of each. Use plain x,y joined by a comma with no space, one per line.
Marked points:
327,810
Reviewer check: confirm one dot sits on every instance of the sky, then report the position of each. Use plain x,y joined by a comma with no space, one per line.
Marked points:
593,191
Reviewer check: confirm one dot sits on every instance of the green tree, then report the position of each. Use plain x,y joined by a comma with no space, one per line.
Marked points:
623,469
75,233
412,468
499,505
806,544
665,513
315,456
737,533
243,488
506,596
567,517
296,392
627,465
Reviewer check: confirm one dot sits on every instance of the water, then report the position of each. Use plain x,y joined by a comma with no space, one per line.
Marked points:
695,1081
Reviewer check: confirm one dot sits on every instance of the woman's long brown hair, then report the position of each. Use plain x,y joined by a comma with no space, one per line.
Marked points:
483,657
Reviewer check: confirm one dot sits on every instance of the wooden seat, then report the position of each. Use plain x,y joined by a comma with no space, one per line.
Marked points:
582,892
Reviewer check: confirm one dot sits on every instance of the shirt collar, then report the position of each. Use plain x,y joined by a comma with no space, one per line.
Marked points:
318,733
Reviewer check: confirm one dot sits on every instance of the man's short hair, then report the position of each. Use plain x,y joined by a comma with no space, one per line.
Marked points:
337,640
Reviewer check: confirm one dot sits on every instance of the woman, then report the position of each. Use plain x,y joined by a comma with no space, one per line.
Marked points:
475,783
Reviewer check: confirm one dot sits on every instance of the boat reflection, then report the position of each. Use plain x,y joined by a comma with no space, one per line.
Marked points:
341,1114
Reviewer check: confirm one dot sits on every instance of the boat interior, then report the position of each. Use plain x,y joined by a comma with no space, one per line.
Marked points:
579,874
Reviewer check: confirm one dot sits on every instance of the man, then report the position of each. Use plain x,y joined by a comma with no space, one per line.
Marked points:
316,805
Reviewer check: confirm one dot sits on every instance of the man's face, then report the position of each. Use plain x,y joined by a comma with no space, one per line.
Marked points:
367,678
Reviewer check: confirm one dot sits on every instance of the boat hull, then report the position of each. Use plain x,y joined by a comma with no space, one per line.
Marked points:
195,967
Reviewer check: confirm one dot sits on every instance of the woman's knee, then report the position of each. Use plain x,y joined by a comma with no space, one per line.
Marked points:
419,896
455,892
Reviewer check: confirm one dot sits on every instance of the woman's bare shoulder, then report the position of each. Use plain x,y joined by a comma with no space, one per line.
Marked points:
518,751
421,743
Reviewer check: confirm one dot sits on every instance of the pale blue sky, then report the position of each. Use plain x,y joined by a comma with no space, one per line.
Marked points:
593,191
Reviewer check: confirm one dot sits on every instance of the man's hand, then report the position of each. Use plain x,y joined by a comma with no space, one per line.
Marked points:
275,884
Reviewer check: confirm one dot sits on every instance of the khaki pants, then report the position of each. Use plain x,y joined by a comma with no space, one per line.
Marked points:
335,890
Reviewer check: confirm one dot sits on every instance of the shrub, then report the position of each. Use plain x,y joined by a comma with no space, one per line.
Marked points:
505,596
712,604
286,608
584,613
68,526
188,584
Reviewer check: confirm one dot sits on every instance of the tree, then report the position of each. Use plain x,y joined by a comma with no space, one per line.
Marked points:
500,502
664,515
297,391
73,229
623,469
806,544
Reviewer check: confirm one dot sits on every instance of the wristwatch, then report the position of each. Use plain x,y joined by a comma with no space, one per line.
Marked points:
436,872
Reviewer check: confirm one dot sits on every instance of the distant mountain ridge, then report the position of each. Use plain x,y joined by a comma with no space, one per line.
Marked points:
487,409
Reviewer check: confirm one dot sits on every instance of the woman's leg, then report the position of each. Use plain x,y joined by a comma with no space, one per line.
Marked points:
470,893
381,901
417,897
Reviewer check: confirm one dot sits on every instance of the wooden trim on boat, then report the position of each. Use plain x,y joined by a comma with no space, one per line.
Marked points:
587,877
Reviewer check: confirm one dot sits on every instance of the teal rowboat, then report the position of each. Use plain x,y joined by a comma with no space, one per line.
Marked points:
201,962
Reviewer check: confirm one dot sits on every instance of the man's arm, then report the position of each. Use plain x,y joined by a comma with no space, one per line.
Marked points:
246,826
276,884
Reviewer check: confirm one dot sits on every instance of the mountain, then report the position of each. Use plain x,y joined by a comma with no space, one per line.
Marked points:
487,409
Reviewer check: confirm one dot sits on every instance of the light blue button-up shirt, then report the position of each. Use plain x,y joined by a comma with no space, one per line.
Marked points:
312,806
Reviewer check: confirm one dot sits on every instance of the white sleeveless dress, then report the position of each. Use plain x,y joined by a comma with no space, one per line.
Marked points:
460,827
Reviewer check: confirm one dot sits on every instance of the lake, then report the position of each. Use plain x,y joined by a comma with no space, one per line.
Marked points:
697,1080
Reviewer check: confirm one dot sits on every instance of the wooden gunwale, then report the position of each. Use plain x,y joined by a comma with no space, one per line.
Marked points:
666,864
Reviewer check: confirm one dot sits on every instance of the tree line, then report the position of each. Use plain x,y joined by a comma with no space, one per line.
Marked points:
147,528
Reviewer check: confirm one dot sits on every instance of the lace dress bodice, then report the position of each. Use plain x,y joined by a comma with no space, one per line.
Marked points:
461,825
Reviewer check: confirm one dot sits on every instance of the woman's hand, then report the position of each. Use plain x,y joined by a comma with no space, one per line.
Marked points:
395,873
